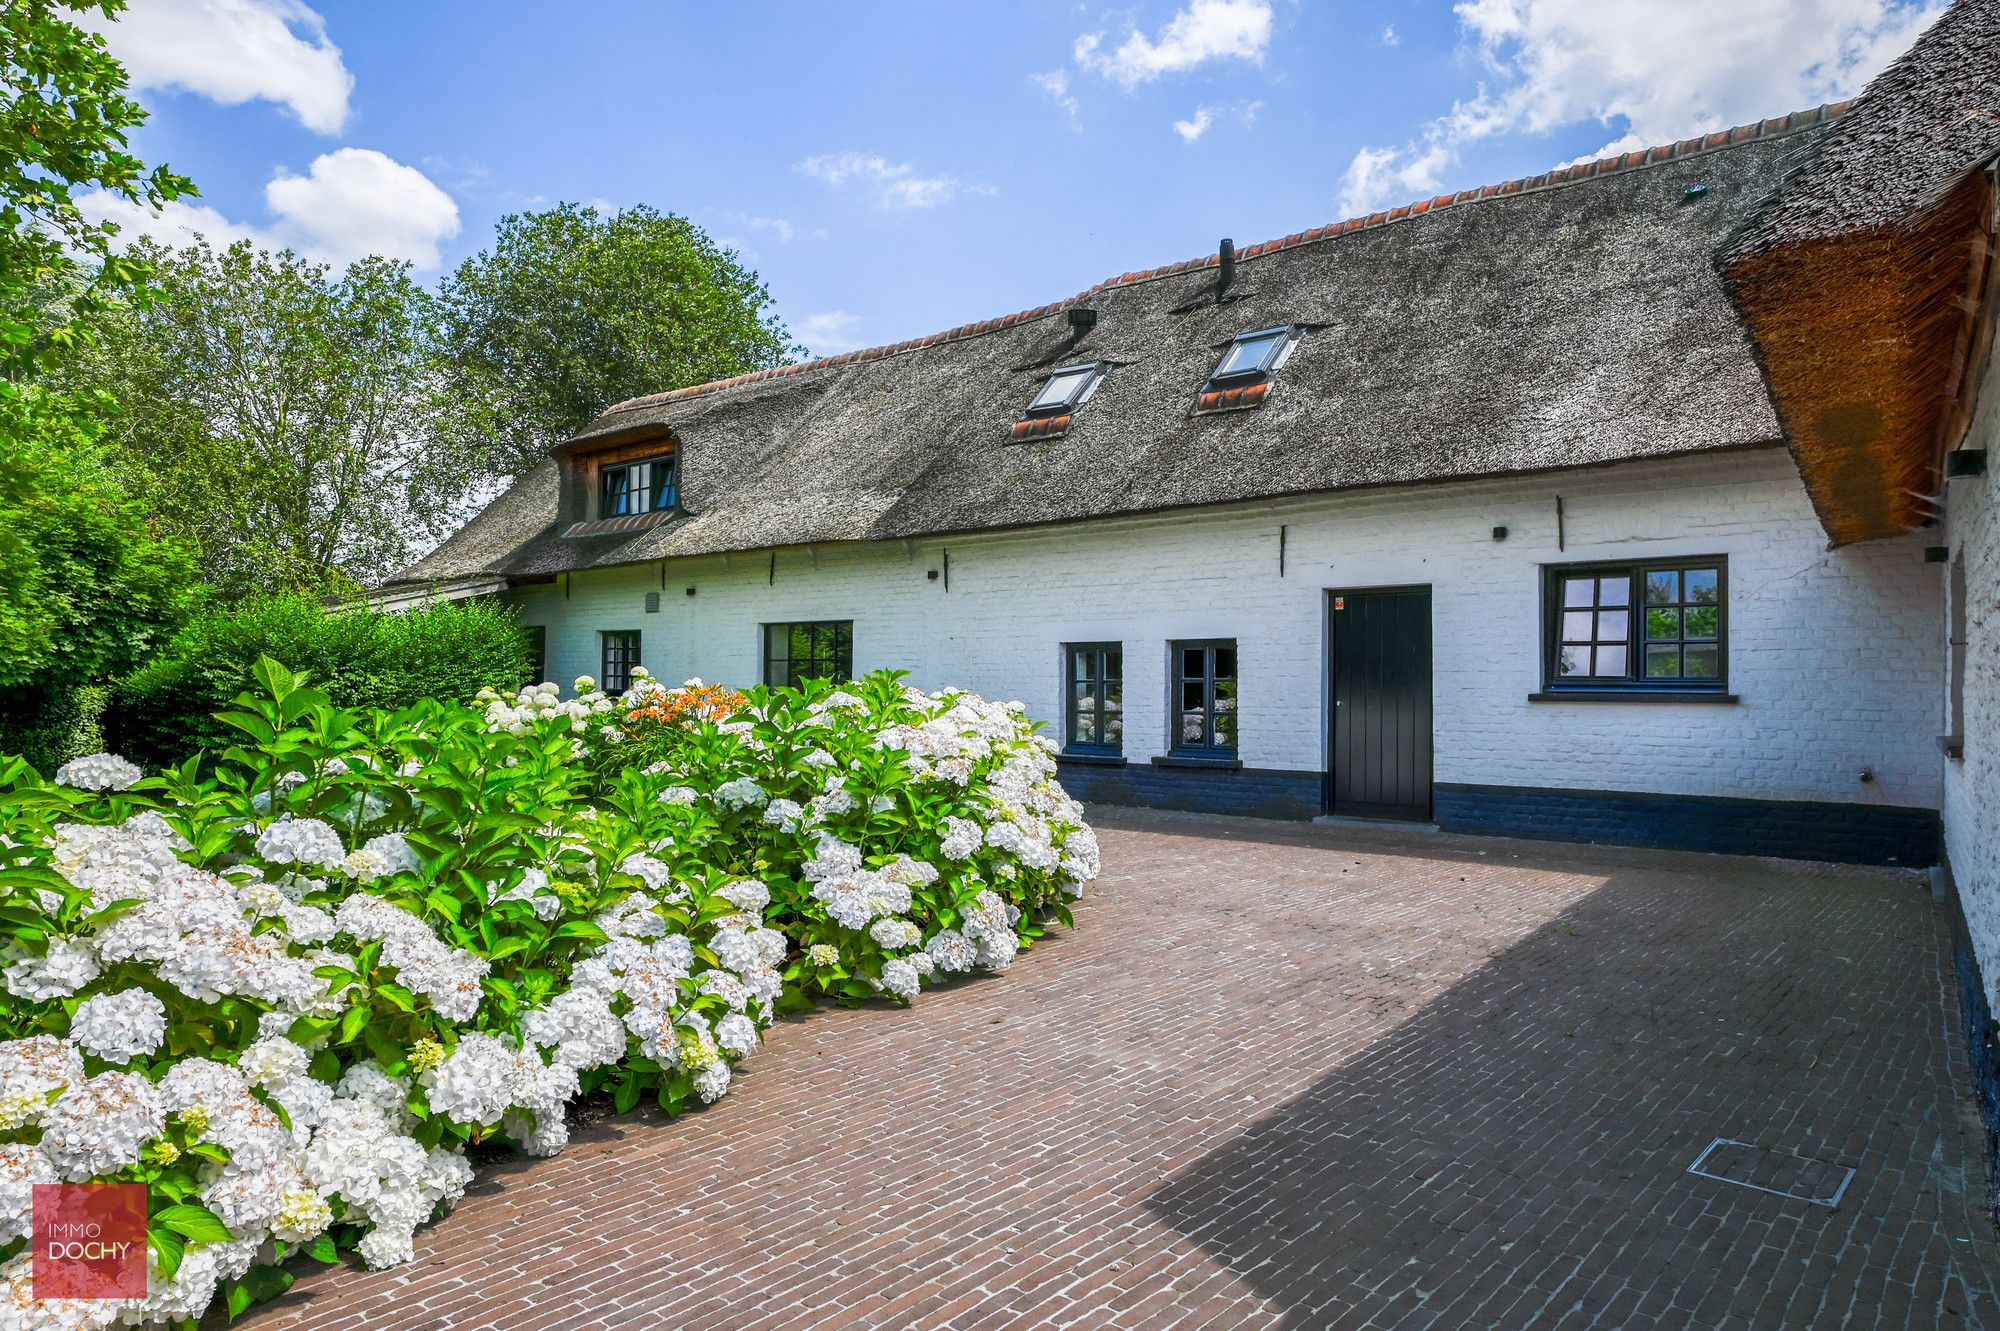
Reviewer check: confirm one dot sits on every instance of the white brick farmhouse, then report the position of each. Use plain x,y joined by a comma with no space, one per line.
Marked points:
1583,505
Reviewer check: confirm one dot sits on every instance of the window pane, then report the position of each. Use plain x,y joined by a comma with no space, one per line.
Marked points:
1573,661
617,491
1576,626
1081,664
665,475
1663,625
1614,591
1225,728
1225,663
1663,662
1701,586
1193,727
1193,694
1193,659
1613,625
1061,389
1700,621
1611,661
1663,587
1576,592
1248,354
1114,663
1704,661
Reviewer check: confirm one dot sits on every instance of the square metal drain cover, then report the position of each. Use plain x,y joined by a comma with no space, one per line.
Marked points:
1779,1173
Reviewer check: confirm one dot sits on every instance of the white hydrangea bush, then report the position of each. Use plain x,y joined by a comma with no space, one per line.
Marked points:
288,987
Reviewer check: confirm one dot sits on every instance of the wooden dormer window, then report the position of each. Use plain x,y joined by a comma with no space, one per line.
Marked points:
647,485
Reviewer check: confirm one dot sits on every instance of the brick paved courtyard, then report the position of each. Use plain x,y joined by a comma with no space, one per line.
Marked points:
1302,1077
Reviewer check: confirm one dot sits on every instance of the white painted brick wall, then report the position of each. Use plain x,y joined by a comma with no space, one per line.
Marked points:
1836,654
1972,785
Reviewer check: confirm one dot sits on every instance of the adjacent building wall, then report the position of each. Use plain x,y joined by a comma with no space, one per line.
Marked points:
1972,782
1835,654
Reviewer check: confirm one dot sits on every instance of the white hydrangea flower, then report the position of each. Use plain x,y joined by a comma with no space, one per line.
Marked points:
21,1168
900,978
480,1081
579,1029
895,934
952,950
273,1061
712,1082
448,976
98,771
736,1033
100,1125
679,795
742,793
66,967
120,1027
746,894
301,841
785,815
31,1068
962,838
389,853
303,1215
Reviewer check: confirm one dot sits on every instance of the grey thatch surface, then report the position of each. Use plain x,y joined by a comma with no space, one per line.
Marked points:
1922,124
1575,322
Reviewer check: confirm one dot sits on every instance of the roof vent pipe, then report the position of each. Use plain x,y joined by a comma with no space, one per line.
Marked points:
1228,257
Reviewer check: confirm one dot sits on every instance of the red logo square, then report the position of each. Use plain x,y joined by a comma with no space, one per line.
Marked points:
90,1241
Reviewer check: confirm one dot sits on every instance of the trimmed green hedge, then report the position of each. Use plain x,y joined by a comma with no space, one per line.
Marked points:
361,658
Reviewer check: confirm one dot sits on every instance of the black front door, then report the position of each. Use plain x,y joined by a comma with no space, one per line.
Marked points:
1379,659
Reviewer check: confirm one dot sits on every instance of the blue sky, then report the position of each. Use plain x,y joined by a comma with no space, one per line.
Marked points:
893,169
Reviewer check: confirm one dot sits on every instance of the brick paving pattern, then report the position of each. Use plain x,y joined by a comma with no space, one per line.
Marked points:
1300,1077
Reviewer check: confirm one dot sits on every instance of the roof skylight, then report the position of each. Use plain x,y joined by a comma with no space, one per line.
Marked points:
1254,355
1243,379
1065,390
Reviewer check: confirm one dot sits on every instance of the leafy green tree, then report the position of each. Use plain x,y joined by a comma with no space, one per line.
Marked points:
63,122
572,310
292,414
89,586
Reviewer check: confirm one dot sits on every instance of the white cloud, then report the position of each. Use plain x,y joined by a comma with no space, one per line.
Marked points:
233,51
353,202
893,184
1206,30
1196,125
1389,37
741,231
356,201
1056,84
829,333
177,224
1205,117
1659,72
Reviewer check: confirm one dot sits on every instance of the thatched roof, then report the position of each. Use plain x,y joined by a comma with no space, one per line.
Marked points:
1862,280
1568,320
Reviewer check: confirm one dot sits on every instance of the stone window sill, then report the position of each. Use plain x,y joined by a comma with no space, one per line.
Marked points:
1188,760
1083,759
1634,695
